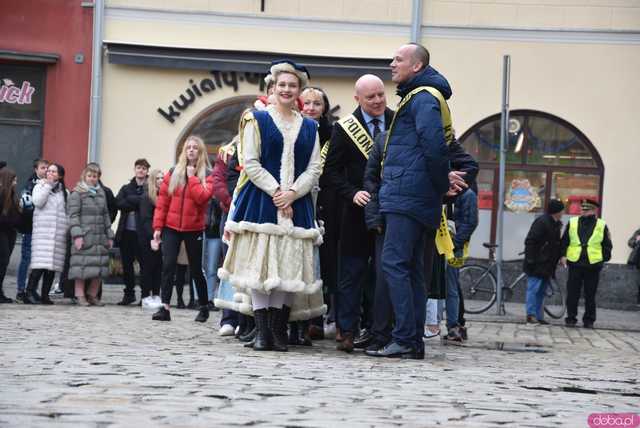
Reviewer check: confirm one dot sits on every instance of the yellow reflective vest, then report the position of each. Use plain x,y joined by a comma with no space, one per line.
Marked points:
593,245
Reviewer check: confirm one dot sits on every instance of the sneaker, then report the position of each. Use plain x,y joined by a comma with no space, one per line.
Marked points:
163,314
428,334
227,330
22,298
531,320
330,330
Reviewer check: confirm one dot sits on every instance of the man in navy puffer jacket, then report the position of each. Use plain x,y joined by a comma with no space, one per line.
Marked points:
414,180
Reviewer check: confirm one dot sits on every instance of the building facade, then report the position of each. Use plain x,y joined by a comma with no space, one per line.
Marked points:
190,67
45,84
176,68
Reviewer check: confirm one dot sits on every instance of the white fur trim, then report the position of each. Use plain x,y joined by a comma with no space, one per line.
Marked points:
292,286
273,229
308,314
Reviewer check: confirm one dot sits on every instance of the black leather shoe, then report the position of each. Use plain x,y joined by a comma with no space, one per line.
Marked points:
395,350
570,323
588,325
212,307
543,322
162,314
203,314
127,300
5,299
181,304
364,340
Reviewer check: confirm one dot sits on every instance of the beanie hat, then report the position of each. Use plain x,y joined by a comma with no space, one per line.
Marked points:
555,206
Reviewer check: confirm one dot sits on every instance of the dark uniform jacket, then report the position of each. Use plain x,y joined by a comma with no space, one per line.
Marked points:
542,247
585,230
344,169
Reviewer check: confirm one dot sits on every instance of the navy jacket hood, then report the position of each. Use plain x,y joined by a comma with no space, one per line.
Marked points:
427,77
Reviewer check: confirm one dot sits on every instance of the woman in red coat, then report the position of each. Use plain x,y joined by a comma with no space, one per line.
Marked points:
179,216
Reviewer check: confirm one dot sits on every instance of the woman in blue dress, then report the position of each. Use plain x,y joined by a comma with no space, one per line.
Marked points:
272,230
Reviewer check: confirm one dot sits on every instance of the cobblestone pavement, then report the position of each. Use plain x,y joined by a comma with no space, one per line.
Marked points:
64,365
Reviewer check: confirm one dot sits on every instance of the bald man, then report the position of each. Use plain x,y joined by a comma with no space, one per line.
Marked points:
351,141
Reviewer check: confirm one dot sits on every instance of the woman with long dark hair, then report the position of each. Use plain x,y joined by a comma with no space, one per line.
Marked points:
49,236
10,219
180,217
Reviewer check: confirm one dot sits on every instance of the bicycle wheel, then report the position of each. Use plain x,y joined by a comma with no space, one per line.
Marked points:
478,286
554,303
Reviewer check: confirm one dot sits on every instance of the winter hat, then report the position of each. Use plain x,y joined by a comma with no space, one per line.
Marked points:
555,206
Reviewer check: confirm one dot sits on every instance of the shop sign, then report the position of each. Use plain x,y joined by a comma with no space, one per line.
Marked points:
521,196
20,92
12,94
196,89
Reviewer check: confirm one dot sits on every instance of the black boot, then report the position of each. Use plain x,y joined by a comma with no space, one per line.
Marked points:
293,334
31,294
250,336
264,339
203,314
303,333
45,294
278,325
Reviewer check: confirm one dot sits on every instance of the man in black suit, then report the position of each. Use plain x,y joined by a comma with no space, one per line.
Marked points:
351,142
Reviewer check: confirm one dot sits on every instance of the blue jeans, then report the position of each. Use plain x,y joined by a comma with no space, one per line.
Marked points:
25,261
403,265
212,252
453,298
536,288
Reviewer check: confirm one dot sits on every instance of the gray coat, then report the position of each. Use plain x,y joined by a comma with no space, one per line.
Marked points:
89,218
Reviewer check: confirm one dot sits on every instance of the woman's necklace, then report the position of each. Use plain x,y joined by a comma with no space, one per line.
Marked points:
286,122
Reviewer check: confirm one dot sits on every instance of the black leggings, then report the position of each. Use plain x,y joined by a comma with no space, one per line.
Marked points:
193,241
7,242
34,279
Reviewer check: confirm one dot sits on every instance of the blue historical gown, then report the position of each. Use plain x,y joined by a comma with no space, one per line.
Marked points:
268,251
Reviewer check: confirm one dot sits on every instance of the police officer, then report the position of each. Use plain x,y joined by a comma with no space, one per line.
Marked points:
586,243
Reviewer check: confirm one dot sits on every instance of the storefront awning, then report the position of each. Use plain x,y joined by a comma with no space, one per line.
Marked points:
241,61
46,58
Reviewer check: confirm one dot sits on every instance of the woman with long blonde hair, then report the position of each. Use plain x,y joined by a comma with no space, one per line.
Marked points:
91,234
180,217
151,254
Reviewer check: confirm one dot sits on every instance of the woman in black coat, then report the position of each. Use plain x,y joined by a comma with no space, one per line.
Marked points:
151,254
10,220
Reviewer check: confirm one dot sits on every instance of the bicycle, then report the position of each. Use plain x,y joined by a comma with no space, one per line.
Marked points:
479,288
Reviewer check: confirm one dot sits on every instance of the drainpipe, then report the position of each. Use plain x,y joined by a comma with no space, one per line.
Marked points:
96,82
416,21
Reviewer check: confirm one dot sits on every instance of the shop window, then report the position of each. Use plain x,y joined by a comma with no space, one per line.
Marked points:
217,124
547,158
22,89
